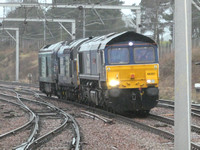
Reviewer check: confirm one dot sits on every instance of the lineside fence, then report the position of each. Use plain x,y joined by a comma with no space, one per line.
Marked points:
167,47
24,43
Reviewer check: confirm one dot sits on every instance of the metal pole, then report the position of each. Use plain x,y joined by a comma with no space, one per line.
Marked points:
182,74
138,20
73,30
71,34
61,35
44,32
83,23
17,55
17,50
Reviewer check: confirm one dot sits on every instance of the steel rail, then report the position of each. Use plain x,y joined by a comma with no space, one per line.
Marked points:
194,128
93,115
197,106
129,121
170,104
75,124
139,125
35,120
64,124
157,131
31,139
18,83
41,139
29,123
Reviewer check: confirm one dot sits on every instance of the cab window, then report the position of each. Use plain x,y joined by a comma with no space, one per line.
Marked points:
118,56
144,55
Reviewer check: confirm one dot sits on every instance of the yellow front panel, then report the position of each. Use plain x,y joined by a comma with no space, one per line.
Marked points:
133,76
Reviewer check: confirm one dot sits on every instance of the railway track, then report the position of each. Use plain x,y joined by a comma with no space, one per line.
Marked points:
33,122
195,108
34,140
129,121
31,119
137,124
126,120
169,121
14,83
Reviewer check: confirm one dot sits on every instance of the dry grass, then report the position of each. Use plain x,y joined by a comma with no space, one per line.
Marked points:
28,64
166,85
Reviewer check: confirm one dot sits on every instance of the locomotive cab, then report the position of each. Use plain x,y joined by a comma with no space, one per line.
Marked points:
132,75
47,68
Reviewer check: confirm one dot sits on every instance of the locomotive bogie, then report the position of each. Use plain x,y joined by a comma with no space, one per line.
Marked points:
123,100
48,88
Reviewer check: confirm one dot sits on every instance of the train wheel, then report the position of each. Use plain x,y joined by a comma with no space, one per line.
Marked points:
142,113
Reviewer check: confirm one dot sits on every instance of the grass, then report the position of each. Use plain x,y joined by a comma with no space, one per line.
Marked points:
28,64
166,85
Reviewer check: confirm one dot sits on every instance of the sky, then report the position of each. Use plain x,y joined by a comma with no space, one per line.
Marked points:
126,2
130,2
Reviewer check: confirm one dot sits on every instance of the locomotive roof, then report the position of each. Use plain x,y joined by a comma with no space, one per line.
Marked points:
51,47
101,42
68,46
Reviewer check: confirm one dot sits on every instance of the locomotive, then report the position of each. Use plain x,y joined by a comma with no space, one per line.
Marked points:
117,71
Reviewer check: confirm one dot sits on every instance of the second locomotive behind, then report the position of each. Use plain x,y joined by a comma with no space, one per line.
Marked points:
118,71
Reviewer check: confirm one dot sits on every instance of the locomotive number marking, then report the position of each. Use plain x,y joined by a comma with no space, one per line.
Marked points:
150,74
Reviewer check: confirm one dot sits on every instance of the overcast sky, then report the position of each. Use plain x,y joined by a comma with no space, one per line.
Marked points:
127,2
130,2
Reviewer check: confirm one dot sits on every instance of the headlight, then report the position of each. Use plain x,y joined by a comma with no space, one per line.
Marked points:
130,43
150,81
114,83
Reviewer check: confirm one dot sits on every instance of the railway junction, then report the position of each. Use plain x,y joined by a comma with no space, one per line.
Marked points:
81,79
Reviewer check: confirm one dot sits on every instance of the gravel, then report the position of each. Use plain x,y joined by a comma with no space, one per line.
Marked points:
98,135
11,117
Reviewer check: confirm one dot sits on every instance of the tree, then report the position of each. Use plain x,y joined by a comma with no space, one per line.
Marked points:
195,19
153,17
165,13
97,22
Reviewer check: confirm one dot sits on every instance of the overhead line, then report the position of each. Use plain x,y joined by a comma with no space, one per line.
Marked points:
37,20
85,6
